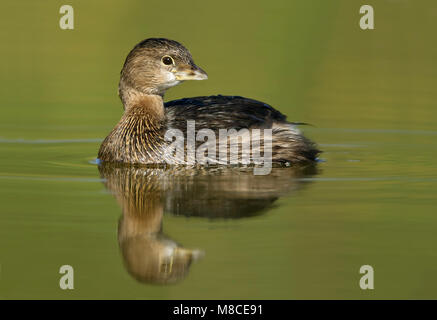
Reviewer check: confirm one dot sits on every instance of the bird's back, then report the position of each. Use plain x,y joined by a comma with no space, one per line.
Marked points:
235,112
221,112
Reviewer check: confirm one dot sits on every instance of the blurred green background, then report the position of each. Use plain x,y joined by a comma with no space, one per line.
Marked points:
370,94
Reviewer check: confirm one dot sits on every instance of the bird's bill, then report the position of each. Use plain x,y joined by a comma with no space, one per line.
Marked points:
190,72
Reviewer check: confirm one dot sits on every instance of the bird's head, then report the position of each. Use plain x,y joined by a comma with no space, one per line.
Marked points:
156,64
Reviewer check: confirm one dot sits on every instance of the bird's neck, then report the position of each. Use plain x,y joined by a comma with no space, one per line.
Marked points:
152,104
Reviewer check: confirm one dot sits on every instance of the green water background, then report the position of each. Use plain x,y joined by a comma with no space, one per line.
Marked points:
370,94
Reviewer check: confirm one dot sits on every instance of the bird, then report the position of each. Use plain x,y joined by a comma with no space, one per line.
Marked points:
141,136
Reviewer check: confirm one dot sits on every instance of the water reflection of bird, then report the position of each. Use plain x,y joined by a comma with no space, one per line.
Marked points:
153,66
144,194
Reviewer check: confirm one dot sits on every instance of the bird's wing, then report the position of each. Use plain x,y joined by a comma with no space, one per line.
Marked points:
221,112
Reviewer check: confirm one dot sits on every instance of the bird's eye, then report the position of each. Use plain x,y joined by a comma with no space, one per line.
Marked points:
167,60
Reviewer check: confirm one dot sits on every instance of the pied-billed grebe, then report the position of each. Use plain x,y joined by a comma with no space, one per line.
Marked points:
153,66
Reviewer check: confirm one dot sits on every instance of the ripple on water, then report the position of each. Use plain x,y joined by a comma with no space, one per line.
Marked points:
49,141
